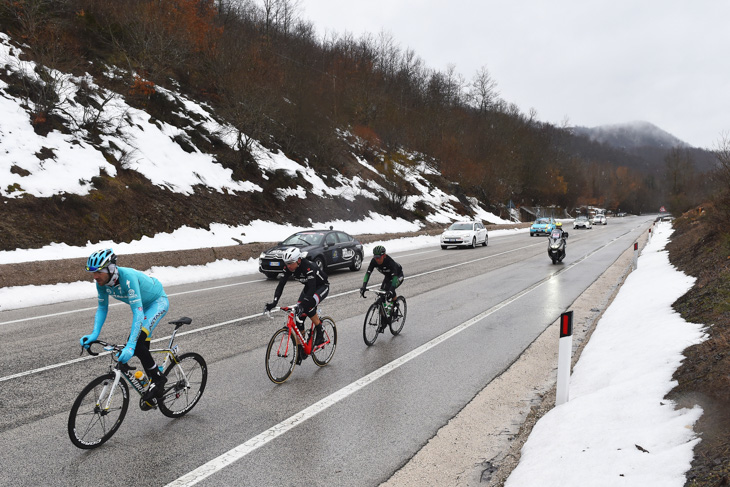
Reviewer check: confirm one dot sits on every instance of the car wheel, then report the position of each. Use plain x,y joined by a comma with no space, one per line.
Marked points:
486,240
270,276
319,262
356,262
473,242
443,247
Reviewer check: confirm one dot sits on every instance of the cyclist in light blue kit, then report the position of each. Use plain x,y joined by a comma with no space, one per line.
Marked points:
149,304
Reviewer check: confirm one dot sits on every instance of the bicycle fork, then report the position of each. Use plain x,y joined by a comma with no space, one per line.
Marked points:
110,390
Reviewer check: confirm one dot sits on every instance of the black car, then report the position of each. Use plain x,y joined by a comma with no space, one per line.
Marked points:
329,249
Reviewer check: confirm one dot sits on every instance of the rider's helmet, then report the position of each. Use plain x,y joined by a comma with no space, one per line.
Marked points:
559,224
292,254
101,259
378,251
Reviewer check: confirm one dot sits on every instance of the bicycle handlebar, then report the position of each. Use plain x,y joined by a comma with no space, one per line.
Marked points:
379,292
277,308
116,348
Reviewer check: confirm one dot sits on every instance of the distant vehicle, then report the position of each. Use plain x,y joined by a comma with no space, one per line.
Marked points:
464,234
556,245
621,214
600,220
582,222
542,226
328,249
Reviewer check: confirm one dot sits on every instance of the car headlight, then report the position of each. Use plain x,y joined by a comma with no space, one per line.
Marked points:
304,254
262,255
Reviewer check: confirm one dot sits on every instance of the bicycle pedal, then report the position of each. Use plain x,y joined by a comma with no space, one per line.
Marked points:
147,405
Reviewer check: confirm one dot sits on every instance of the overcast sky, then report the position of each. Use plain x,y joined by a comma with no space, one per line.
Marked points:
592,62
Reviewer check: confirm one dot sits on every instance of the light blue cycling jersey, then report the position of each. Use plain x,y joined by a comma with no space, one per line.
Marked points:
136,289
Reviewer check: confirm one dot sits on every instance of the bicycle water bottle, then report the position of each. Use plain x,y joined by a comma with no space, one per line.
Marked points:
143,381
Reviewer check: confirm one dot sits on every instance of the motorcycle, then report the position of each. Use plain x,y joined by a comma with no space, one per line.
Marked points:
556,245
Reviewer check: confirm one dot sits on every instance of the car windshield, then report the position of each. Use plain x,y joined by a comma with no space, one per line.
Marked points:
542,221
461,226
581,218
304,238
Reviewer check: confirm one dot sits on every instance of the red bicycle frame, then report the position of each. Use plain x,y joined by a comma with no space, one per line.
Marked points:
291,325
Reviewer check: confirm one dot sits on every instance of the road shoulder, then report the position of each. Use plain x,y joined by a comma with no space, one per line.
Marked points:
481,445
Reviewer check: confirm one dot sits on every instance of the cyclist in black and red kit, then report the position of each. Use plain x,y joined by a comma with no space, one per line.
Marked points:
316,288
391,270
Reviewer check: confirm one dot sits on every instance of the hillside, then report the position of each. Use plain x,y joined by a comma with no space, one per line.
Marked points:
700,250
147,119
158,170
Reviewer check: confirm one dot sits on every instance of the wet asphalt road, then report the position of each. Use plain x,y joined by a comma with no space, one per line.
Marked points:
471,313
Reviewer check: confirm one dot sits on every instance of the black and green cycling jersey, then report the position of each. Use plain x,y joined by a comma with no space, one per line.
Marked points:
391,270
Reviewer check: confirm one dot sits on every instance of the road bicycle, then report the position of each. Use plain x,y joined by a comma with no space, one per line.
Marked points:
290,345
379,316
100,408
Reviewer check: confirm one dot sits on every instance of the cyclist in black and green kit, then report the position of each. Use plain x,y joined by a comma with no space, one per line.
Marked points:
392,274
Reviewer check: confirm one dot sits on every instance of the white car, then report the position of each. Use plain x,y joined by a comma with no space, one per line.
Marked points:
582,222
600,220
464,234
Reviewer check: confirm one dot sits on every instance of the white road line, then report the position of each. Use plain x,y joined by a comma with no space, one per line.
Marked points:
61,313
244,318
236,320
235,454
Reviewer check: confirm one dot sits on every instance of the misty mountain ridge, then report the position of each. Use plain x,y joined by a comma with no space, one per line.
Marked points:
631,135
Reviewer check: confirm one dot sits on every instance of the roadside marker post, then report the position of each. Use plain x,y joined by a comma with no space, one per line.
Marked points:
636,255
565,355
652,225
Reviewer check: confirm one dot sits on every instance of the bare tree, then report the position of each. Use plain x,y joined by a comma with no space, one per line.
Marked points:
722,152
483,91
280,14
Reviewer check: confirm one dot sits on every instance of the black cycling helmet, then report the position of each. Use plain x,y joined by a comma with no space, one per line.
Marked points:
378,251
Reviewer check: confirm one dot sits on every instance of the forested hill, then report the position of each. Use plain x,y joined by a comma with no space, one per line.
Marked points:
148,116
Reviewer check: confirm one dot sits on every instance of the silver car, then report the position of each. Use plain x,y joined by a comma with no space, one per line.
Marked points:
464,234
582,222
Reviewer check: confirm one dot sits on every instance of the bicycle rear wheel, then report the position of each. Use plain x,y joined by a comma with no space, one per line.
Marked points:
94,418
281,356
398,315
371,324
323,355
186,382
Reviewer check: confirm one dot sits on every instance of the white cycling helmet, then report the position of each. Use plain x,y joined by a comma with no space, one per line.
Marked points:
292,254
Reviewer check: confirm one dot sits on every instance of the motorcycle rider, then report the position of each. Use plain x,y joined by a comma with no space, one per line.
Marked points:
556,253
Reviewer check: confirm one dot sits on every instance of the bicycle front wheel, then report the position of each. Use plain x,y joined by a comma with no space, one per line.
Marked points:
281,356
371,325
185,384
322,356
98,412
398,316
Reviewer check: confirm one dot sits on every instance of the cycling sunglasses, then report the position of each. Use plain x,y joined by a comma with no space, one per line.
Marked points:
95,269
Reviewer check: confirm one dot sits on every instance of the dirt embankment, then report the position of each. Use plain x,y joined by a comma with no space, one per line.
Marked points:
72,270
